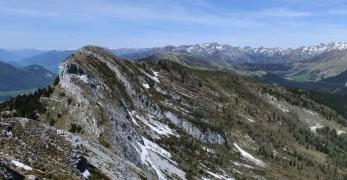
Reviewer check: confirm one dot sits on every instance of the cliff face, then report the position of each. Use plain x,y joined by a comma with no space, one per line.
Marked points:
112,118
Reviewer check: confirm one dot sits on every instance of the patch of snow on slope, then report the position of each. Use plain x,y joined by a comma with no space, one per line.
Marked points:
156,74
86,174
339,132
274,100
156,126
218,176
243,165
215,175
159,159
160,90
311,112
249,156
154,78
21,165
248,118
84,78
209,150
145,85
282,108
315,127
132,117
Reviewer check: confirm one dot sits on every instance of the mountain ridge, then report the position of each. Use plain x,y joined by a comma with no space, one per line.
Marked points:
160,119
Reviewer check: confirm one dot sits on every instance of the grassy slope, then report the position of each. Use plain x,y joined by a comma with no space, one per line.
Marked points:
224,97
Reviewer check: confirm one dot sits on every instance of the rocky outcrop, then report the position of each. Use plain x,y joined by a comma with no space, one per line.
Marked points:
205,136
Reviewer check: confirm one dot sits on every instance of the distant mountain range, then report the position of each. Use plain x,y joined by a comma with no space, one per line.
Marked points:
232,54
49,60
211,51
284,66
307,66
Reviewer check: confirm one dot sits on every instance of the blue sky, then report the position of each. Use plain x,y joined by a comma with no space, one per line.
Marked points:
66,24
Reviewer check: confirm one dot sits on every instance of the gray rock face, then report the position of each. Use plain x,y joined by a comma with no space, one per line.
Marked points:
103,110
206,136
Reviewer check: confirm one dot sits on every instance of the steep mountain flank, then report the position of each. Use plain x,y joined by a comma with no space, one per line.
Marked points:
158,119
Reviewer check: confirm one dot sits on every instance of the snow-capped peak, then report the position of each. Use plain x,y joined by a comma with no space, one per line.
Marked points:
317,49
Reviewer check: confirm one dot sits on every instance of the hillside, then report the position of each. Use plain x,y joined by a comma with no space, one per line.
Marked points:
328,64
14,79
110,118
186,60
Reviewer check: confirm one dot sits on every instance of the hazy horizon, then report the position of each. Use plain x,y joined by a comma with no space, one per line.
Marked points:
233,45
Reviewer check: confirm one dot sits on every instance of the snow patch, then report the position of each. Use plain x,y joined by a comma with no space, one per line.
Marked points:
21,165
215,175
274,100
156,126
131,114
311,113
209,150
159,159
218,176
339,132
84,78
86,174
315,127
249,156
250,120
282,108
154,78
145,85
156,74
160,90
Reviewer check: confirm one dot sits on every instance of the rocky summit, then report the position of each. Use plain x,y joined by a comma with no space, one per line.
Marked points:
110,118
